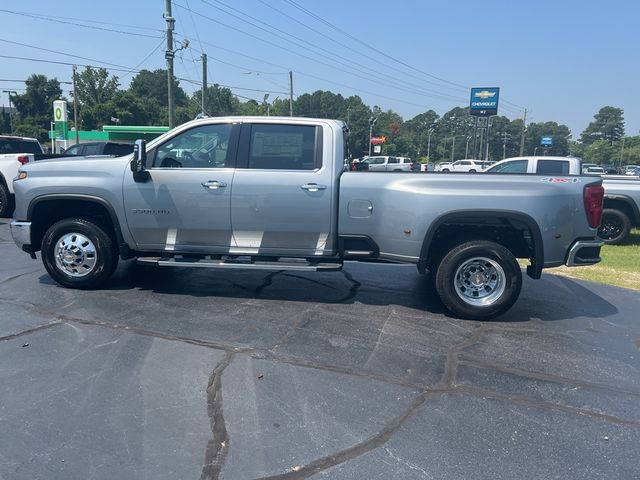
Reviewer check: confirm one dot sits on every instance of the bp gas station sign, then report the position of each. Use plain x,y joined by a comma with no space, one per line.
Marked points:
60,119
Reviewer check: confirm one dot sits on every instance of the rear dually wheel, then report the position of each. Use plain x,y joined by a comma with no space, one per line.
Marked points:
478,280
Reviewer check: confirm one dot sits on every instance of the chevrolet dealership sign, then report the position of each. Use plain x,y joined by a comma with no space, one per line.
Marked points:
484,101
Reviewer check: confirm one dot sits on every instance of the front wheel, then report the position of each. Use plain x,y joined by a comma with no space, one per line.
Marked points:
614,227
78,253
479,280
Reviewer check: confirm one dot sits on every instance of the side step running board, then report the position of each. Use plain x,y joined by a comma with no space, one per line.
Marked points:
239,264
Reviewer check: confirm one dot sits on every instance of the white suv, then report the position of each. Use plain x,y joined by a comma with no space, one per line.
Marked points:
391,164
466,165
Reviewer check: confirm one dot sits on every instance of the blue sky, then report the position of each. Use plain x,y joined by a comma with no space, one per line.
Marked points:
562,60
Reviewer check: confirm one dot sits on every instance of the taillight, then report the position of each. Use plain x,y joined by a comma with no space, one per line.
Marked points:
593,195
23,159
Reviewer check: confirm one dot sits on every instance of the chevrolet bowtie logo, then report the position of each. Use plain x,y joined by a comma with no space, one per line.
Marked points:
484,94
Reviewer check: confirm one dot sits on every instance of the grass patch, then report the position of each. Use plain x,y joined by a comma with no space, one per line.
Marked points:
620,265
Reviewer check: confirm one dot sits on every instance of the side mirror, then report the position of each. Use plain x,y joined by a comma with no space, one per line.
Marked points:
139,162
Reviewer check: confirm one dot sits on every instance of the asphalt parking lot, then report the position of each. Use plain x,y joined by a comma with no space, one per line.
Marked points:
183,374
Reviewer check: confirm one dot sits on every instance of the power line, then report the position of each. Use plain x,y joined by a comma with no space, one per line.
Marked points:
98,22
368,78
320,19
329,24
135,69
369,75
74,23
60,53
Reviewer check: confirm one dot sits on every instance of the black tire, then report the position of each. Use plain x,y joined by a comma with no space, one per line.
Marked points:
491,293
64,250
6,202
614,227
445,170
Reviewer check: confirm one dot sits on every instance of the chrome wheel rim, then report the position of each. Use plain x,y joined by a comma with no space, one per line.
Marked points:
75,255
480,281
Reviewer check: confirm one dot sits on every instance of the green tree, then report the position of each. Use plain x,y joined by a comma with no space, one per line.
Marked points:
5,121
220,101
154,85
535,131
418,130
95,87
35,106
607,124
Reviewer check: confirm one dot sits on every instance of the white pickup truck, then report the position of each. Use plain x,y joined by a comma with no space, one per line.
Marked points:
539,165
14,152
621,193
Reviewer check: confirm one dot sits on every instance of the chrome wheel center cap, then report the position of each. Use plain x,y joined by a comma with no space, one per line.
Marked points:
478,279
69,256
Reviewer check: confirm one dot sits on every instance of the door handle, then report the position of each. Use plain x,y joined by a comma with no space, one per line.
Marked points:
213,184
313,187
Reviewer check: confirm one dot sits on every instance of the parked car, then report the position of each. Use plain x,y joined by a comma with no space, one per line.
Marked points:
15,151
443,167
610,169
632,170
585,166
391,164
277,198
100,148
595,171
539,165
358,166
466,165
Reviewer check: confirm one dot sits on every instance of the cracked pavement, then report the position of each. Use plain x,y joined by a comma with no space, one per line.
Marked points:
172,373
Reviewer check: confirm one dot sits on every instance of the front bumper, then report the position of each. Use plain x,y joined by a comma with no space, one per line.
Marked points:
21,233
584,252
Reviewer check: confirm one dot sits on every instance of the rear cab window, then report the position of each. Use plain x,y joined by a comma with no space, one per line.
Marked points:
552,167
284,147
9,146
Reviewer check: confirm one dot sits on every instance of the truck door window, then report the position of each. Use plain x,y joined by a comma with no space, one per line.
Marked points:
553,167
74,150
517,166
92,149
200,147
284,147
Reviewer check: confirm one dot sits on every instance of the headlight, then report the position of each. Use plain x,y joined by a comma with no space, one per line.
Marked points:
21,176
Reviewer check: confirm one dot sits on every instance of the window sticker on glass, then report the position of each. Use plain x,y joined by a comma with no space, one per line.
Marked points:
277,144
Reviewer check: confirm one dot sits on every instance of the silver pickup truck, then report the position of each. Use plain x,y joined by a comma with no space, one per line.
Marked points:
272,193
621,207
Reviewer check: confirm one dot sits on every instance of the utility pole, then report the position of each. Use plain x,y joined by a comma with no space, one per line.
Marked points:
453,147
291,94
75,106
621,150
504,145
169,54
372,122
524,123
204,83
487,140
9,92
429,143
466,148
